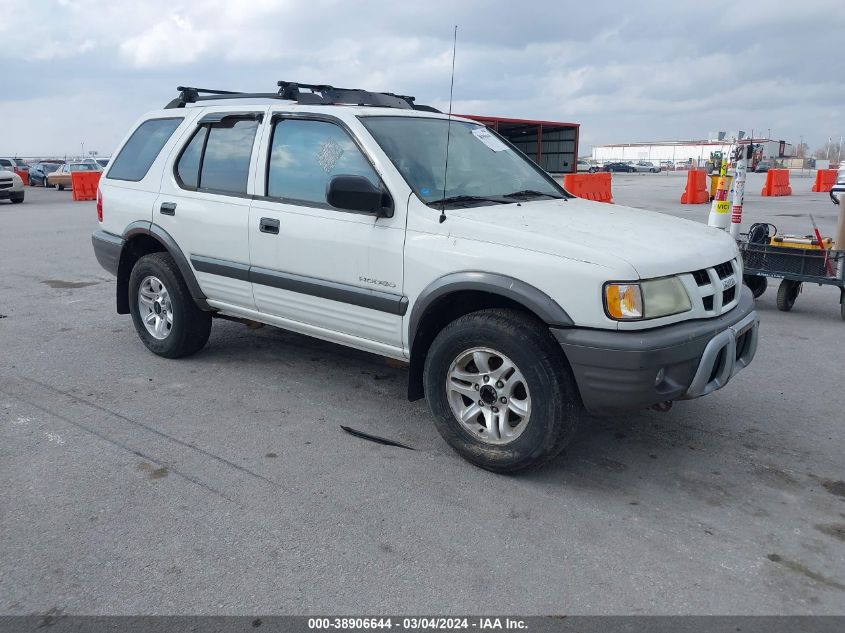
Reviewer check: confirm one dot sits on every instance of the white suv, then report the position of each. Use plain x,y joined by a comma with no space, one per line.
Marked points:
333,213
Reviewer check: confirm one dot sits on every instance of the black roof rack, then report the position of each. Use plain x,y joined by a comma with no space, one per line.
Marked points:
320,94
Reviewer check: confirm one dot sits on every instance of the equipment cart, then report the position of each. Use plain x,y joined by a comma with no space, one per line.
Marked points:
793,266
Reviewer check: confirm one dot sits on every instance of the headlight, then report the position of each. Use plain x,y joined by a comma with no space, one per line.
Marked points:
646,299
17,179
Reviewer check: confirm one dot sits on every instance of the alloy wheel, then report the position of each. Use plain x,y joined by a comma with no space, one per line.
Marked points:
488,395
155,308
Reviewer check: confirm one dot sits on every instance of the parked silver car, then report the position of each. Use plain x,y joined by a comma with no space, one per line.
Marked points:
646,166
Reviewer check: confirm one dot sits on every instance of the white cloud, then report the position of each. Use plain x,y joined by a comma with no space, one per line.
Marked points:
626,71
173,40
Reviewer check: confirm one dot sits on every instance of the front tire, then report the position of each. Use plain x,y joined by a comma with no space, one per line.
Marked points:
16,199
165,315
500,390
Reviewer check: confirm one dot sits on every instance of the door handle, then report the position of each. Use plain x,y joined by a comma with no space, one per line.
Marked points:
269,225
167,208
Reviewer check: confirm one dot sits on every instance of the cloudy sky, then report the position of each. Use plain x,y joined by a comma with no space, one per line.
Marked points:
84,70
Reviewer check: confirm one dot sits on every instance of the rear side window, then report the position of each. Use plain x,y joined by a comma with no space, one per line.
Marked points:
218,156
137,156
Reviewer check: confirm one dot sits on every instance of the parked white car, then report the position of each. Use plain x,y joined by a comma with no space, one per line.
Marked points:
11,187
837,192
586,166
516,305
12,164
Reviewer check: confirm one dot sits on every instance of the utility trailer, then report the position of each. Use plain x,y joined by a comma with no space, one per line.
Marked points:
793,266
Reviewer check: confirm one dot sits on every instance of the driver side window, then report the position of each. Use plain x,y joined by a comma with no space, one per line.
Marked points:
306,154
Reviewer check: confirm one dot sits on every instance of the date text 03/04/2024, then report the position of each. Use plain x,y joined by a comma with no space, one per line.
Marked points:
417,623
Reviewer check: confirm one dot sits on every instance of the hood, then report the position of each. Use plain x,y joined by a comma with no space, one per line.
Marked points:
653,244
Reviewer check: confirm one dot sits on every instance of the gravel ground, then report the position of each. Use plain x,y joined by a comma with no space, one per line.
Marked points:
222,483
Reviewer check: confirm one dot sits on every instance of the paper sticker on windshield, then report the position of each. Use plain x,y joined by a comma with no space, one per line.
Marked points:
484,135
328,154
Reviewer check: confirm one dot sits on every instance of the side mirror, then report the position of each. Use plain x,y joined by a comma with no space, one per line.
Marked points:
356,193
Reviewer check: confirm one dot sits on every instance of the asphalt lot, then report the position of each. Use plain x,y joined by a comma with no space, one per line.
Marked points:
222,483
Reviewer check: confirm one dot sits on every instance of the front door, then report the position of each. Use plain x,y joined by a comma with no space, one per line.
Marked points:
312,263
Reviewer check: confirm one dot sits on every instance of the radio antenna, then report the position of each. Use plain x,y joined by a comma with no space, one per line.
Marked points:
448,128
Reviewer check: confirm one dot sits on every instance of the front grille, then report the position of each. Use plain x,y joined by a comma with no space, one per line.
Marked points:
701,277
724,270
715,298
5,184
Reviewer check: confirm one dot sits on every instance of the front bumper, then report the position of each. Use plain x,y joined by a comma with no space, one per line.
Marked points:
618,371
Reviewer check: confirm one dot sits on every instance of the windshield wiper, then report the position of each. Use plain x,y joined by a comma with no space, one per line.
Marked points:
460,199
531,193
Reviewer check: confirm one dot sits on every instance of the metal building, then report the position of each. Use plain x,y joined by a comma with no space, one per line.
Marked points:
553,145
687,151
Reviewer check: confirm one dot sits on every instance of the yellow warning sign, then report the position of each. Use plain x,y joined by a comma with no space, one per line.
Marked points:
722,206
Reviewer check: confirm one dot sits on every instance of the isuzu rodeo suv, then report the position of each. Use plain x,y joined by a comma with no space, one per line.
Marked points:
333,213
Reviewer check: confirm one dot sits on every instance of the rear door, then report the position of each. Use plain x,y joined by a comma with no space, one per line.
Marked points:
204,202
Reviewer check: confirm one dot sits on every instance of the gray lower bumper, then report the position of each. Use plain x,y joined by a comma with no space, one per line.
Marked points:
107,249
620,371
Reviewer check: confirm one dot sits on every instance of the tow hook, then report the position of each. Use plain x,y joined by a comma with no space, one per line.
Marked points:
663,407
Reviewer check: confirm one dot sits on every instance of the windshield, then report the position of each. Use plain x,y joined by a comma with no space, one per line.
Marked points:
49,167
480,164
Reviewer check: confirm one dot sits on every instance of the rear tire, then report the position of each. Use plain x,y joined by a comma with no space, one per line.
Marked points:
526,371
183,328
787,294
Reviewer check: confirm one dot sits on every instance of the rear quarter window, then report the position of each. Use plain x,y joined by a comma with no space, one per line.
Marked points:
140,151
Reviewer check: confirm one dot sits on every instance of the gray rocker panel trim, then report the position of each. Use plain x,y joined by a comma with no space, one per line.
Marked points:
509,287
153,230
313,286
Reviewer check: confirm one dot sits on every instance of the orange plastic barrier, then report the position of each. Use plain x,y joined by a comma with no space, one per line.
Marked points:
825,179
777,183
24,176
696,191
84,184
590,186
